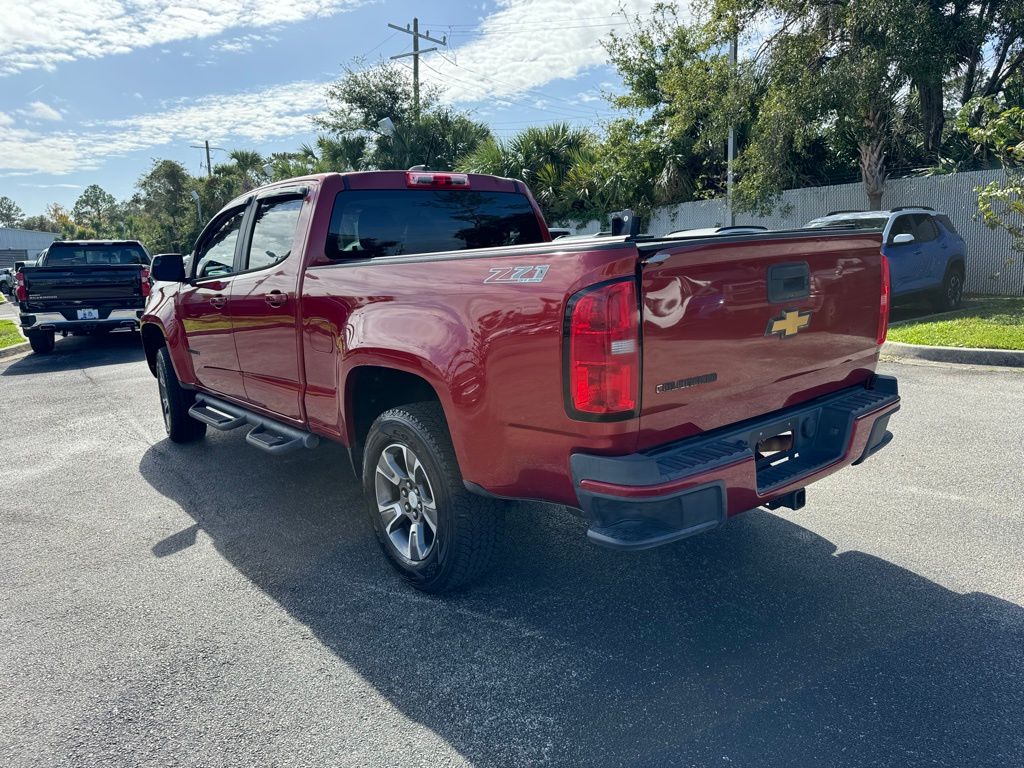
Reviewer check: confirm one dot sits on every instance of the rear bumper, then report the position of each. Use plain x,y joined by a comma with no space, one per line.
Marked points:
676,490
56,321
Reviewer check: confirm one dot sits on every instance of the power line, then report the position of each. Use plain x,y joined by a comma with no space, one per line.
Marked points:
379,45
206,145
416,53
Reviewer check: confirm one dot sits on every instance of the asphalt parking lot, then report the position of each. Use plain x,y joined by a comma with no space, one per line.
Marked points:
210,605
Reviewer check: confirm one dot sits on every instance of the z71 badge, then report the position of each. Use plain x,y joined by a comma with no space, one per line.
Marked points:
533,274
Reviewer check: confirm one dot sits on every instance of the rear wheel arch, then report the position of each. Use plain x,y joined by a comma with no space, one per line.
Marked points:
370,390
152,341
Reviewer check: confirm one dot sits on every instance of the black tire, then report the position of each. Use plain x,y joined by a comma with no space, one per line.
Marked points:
42,342
951,294
466,525
175,401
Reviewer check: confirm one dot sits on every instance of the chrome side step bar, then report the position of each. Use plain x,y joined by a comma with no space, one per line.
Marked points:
266,434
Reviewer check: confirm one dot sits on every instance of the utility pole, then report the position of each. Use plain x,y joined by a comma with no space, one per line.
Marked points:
209,164
416,53
731,151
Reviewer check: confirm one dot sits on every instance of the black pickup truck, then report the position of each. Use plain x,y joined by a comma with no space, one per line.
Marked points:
82,287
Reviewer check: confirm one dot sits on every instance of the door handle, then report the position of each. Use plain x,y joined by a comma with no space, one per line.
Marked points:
218,301
275,298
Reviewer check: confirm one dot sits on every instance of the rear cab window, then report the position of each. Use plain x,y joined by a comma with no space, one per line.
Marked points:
400,222
90,254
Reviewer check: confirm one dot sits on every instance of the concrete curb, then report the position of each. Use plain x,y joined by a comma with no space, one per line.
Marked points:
15,349
1005,357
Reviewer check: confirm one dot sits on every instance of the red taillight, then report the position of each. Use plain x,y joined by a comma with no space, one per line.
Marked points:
883,304
436,180
144,281
603,365
20,292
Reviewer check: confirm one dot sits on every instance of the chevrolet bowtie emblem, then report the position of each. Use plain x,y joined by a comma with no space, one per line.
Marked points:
790,323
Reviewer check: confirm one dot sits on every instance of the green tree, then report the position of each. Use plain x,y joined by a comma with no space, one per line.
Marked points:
66,225
355,139
861,82
167,218
364,96
39,223
97,210
679,99
999,129
10,213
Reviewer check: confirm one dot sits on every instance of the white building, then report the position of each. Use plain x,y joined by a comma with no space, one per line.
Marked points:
22,244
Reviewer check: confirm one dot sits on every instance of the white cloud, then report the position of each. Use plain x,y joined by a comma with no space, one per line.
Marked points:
528,43
252,117
6,119
241,44
46,34
42,111
523,45
52,186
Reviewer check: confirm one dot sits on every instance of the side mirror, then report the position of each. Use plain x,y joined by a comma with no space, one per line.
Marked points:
168,268
903,238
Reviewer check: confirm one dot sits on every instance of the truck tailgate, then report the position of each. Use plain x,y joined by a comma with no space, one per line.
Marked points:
92,282
737,327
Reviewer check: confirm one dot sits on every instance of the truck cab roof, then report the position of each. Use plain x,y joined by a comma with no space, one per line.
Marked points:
114,243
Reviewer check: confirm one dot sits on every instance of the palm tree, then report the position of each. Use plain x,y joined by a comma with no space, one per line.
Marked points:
247,167
437,140
550,159
345,153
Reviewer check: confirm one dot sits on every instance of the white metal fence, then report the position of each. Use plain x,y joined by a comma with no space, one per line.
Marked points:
992,264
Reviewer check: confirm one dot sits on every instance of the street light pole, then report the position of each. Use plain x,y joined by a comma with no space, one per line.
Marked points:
731,151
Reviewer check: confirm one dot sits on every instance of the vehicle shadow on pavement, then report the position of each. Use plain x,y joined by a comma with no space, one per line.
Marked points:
78,351
756,644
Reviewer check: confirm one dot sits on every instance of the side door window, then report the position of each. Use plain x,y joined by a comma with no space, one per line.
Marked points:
924,228
215,254
902,225
273,234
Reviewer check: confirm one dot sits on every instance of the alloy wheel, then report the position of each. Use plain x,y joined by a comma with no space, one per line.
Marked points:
165,402
406,502
955,290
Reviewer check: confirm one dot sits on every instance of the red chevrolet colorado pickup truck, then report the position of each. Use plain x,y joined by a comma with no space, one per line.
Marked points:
426,322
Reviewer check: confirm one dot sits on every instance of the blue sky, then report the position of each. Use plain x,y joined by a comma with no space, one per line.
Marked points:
91,91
